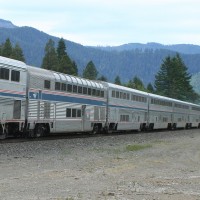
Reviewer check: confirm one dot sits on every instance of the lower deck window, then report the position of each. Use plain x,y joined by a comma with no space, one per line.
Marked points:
73,113
124,118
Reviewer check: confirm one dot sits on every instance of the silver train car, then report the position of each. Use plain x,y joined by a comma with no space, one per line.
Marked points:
35,102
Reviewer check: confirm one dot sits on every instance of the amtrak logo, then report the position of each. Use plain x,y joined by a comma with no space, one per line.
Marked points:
34,95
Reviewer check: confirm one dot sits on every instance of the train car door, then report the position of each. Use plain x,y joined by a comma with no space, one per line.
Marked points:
17,109
86,124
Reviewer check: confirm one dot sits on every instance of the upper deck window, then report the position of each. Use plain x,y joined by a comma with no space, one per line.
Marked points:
4,73
57,86
15,76
47,84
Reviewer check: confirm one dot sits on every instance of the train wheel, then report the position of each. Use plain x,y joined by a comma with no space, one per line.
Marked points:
39,131
95,130
3,135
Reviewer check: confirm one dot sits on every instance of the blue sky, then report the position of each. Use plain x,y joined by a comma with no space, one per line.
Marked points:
109,22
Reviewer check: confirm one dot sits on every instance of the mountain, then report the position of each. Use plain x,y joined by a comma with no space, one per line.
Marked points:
181,48
195,82
127,60
6,24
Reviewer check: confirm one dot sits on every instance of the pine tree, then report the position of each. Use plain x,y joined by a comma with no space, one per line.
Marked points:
103,78
173,80
61,49
1,50
65,64
150,88
50,60
136,83
117,80
74,69
17,53
7,49
90,71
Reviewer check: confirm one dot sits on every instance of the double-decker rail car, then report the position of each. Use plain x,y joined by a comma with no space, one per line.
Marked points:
63,103
194,116
127,108
13,78
160,112
35,102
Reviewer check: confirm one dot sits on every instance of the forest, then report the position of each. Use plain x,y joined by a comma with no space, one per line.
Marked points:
138,60
172,79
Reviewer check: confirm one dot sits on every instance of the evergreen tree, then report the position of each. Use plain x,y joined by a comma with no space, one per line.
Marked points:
136,83
103,78
17,53
74,69
117,80
90,71
7,49
65,64
61,49
173,80
50,60
0,50
150,88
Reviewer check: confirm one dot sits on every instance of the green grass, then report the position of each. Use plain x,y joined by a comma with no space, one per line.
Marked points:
137,147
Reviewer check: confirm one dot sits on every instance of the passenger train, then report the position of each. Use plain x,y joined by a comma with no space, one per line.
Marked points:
35,102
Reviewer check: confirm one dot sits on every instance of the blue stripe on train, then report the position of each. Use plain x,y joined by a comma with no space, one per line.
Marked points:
54,97
12,95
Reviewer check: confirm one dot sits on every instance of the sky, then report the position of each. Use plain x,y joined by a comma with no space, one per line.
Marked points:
109,22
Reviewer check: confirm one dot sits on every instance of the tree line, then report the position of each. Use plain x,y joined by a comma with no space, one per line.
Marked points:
9,51
172,80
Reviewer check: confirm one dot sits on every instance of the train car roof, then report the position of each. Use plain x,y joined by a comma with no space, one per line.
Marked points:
57,76
12,62
111,85
119,87
170,99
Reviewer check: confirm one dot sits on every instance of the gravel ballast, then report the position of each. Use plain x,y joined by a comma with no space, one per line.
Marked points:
163,165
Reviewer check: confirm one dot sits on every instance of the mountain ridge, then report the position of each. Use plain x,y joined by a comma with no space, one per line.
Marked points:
142,62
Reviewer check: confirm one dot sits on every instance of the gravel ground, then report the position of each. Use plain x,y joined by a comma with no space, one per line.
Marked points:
107,167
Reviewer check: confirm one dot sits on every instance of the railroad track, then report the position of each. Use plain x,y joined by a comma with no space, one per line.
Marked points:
75,135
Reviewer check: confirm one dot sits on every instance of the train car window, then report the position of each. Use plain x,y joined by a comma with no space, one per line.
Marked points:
128,96
15,76
93,92
4,73
57,85
117,94
89,91
68,112
84,90
80,89
102,93
75,88
73,112
78,112
47,84
113,93
98,93
63,87
124,118
69,87
124,95
121,95
196,108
